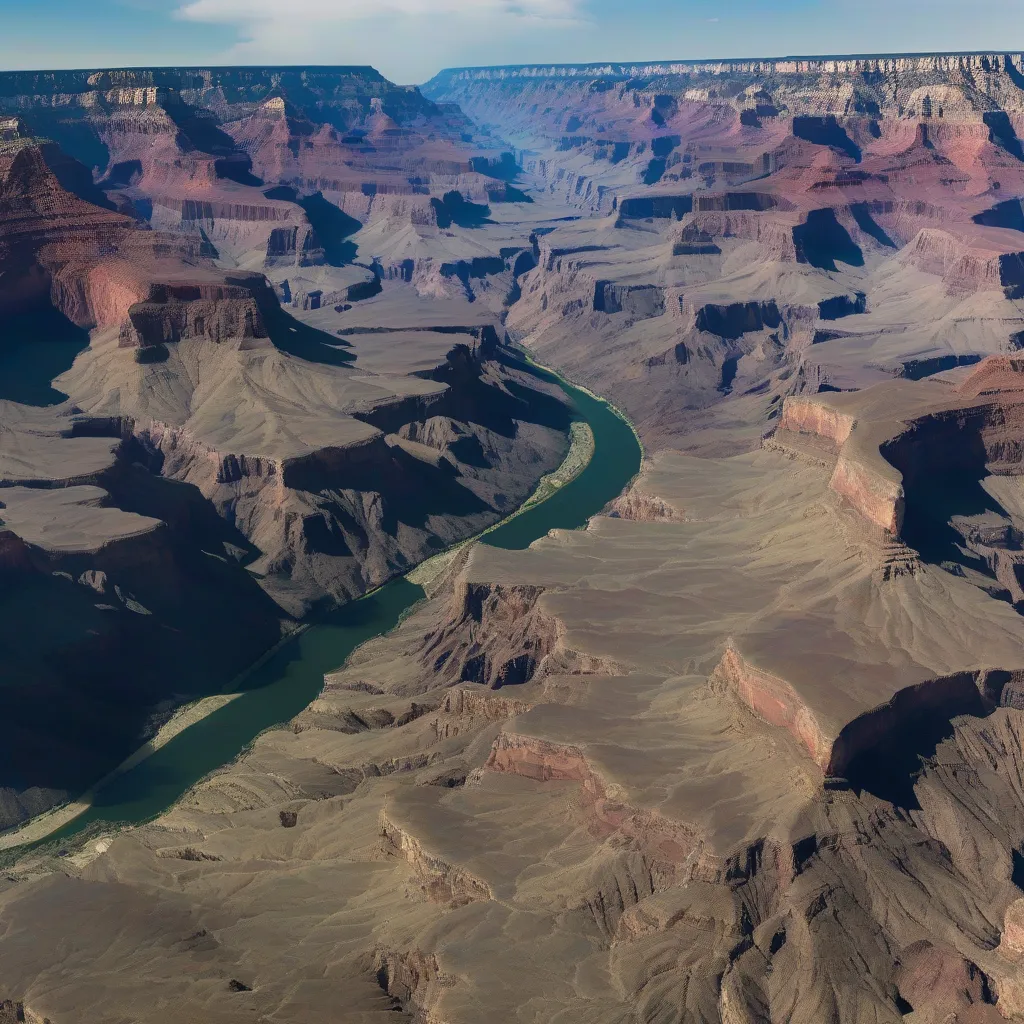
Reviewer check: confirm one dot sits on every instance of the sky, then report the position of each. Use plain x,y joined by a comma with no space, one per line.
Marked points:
410,40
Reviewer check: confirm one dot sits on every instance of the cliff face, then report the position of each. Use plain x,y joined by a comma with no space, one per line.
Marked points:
940,86
49,238
754,215
165,211
214,310
268,167
94,266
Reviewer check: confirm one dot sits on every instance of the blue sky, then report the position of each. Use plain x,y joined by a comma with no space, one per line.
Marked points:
409,40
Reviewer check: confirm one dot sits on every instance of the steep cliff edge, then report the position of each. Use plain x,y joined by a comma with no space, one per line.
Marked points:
264,167
270,475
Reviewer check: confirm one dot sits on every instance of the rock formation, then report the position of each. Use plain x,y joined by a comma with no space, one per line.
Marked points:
213,448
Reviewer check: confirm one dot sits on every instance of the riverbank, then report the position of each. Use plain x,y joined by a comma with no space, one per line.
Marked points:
581,451
43,825
290,677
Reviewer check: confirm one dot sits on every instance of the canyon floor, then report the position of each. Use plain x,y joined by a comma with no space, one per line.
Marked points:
749,747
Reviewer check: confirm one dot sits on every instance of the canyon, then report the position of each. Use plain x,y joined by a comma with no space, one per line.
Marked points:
213,469
746,748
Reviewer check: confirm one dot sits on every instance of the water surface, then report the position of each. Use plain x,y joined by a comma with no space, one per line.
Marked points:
292,676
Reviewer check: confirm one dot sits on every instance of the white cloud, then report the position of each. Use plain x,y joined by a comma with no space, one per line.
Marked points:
407,40
351,10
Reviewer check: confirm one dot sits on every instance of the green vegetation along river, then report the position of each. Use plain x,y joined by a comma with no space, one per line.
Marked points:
280,686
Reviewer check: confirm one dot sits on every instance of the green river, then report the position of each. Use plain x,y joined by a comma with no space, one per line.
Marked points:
280,686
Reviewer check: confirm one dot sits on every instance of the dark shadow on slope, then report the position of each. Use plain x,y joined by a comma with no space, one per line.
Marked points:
1008,214
826,131
868,224
1012,73
881,752
305,342
1001,132
729,368
332,226
504,168
200,127
83,672
420,491
34,349
75,177
947,511
471,398
237,167
822,242
918,369
411,490
455,209
508,194
889,768
1017,874
470,452
931,503
654,172
122,174
285,192
137,486
77,137
663,145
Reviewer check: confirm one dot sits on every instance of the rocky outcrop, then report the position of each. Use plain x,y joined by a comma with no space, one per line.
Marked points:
441,881
543,760
413,979
971,263
658,206
639,301
639,506
774,700
213,310
880,500
499,636
806,416
477,646
18,1013
462,702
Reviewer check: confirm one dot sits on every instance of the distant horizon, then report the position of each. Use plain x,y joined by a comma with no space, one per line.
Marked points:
311,66
411,41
